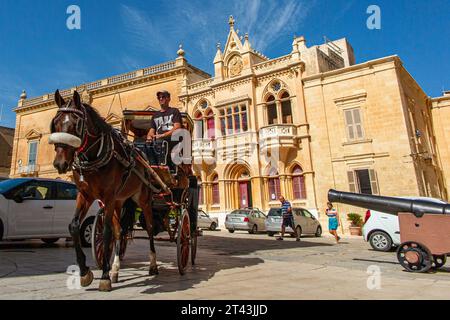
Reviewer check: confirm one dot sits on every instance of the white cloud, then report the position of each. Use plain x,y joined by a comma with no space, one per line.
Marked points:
199,25
144,34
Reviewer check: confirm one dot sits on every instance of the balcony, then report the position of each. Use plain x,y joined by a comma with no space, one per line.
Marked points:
30,170
281,136
203,150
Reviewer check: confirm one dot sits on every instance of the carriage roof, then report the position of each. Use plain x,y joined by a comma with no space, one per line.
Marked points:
140,119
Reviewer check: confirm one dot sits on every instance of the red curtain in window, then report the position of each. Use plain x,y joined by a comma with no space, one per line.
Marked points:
215,191
298,182
274,189
210,125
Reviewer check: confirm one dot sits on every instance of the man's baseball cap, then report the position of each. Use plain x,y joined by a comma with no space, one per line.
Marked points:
163,92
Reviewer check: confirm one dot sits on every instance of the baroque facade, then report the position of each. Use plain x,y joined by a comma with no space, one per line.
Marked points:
296,125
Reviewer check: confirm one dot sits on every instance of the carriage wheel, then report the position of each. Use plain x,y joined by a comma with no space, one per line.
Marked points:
193,247
439,261
184,234
414,257
97,240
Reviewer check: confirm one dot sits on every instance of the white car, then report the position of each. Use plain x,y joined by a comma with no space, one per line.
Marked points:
382,230
33,208
204,221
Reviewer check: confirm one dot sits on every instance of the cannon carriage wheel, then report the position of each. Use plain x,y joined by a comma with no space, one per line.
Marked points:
439,261
414,257
97,241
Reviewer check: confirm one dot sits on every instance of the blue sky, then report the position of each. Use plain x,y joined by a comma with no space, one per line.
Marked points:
39,54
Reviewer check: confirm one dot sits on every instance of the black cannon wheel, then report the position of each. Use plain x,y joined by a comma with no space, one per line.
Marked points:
183,242
97,240
414,257
439,261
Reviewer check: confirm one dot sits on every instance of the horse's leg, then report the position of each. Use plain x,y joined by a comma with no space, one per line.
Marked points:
105,282
83,204
147,210
117,232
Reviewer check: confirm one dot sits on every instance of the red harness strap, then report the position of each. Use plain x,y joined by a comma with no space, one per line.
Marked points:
83,147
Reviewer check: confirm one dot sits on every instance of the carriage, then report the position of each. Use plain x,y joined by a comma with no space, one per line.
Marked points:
174,207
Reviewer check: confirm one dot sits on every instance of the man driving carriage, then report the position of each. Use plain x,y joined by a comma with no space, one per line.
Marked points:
163,124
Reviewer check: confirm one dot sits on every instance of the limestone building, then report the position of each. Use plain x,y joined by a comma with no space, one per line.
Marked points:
6,149
295,125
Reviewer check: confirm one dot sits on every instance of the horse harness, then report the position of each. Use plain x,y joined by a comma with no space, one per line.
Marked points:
106,151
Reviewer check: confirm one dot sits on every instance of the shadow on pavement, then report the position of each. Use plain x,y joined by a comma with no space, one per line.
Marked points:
215,254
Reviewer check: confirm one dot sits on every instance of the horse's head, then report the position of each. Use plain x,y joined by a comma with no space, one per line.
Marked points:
67,131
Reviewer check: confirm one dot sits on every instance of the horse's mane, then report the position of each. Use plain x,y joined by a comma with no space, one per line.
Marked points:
100,123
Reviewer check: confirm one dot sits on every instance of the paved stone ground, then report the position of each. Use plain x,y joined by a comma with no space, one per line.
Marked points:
229,266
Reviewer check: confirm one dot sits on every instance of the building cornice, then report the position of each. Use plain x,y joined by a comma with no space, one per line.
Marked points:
130,79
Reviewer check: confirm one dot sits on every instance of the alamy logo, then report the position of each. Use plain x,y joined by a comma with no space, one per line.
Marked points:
374,20
374,280
74,20
73,281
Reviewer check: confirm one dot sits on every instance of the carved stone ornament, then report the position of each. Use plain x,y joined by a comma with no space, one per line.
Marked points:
235,66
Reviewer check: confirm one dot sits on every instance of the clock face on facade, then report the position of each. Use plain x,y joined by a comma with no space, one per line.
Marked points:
235,66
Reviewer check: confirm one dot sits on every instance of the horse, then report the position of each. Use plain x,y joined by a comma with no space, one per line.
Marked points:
104,170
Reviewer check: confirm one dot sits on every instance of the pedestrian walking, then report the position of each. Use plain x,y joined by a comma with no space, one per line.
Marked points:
288,218
333,220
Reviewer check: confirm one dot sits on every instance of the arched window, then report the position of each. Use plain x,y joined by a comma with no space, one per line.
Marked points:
204,126
210,125
272,114
286,110
215,191
274,185
198,125
298,183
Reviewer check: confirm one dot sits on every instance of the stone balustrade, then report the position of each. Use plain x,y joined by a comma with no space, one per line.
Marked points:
106,82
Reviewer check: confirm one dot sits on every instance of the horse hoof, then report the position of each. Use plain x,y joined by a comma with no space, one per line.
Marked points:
87,279
105,285
114,277
153,271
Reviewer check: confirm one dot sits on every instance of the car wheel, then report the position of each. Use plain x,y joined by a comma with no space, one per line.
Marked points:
318,231
254,229
231,231
299,231
49,240
380,241
86,232
270,234
213,226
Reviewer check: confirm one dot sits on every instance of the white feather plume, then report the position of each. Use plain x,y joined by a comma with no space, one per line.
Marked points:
64,138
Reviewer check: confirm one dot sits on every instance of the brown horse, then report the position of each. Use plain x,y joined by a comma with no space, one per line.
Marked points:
102,169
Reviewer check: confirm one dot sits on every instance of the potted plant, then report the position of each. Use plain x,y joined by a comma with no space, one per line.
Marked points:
356,224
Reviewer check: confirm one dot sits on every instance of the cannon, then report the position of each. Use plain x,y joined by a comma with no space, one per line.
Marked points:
424,227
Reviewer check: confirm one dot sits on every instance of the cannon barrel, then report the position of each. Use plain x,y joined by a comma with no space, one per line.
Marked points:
389,205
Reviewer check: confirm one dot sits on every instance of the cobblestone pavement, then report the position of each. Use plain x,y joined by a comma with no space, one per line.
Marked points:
229,266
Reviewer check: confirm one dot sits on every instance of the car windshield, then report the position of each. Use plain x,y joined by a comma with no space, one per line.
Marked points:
7,185
274,212
243,212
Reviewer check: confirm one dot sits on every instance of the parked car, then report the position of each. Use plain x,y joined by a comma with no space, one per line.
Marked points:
304,222
382,230
33,208
204,221
248,219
